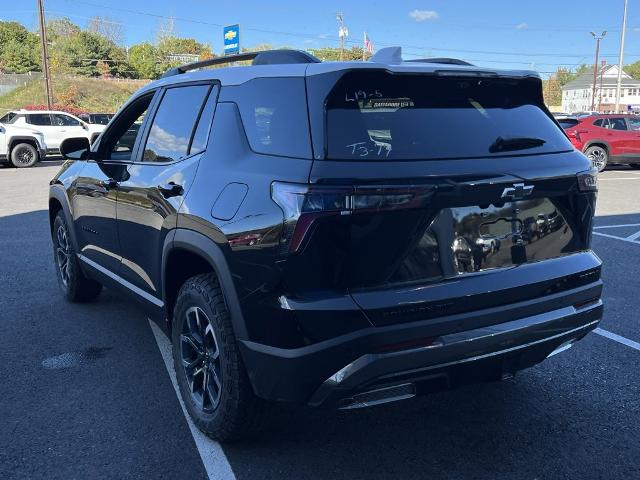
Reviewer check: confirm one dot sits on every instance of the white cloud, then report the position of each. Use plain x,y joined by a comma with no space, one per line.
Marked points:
522,26
422,15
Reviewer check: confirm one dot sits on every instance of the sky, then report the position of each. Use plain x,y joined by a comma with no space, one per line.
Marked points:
534,34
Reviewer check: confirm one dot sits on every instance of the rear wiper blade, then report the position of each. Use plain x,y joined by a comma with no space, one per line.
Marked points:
507,144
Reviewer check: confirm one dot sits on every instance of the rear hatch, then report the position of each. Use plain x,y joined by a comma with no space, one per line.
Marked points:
431,191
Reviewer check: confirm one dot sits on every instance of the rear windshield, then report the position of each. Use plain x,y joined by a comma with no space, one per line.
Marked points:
568,122
382,116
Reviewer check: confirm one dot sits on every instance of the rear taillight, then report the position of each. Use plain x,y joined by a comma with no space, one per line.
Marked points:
303,205
574,134
588,181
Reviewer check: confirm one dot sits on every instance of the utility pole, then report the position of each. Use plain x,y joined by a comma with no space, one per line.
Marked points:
45,56
595,68
620,61
343,33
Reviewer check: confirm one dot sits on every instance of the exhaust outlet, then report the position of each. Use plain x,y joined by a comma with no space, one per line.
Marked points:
379,396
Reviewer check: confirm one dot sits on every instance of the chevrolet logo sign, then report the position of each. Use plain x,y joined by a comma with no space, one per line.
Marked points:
230,35
517,192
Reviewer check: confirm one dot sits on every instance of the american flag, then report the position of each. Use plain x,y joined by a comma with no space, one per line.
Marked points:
368,44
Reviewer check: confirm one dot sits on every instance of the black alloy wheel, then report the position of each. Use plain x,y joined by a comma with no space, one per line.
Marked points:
63,254
24,156
200,356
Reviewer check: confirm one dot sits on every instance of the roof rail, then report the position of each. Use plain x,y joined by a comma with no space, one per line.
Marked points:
266,57
443,60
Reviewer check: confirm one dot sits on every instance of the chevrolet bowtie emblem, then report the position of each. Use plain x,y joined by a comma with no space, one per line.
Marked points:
517,192
230,35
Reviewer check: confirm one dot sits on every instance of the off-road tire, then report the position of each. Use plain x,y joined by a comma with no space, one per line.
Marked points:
75,286
239,412
24,155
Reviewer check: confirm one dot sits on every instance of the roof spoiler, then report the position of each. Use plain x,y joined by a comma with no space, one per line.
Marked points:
266,57
394,55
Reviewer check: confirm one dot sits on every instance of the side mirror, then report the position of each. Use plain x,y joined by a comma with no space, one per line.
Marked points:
75,148
84,125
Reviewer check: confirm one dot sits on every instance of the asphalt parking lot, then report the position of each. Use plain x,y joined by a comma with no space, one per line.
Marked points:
85,393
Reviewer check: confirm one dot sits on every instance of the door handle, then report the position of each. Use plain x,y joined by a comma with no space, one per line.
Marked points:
109,183
170,189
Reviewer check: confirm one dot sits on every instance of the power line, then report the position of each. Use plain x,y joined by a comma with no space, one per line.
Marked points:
336,38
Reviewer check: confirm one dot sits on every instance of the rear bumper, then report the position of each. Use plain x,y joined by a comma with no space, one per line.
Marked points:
332,371
477,355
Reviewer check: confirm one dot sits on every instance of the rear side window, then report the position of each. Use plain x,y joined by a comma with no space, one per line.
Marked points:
274,115
201,135
617,124
600,122
380,116
634,124
39,119
64,120
173,124
100,119
8,118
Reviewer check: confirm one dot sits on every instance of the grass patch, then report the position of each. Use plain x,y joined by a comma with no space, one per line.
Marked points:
88,94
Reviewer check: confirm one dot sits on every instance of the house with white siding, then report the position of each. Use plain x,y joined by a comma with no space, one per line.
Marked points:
576,94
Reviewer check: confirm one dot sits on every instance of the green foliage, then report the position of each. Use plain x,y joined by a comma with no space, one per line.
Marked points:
86,94
633,70
80,52
582,69
175,46
61,27
143,58
19,49
552,86
333,54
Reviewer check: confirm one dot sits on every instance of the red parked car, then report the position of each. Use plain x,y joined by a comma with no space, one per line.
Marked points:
606,138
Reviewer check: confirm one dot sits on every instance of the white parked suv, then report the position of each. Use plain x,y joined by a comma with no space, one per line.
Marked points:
21,146
56,126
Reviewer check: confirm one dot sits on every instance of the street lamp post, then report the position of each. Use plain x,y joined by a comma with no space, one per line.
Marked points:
618,83
595,68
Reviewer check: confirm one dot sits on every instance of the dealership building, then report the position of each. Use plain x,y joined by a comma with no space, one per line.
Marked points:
576,95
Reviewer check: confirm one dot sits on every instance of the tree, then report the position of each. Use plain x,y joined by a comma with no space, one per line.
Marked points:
108,28
333,54
19,49
175,46
552,86
583,69
79,53
633,70
143,58
61,27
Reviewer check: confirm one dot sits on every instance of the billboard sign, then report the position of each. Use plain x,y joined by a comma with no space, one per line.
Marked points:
231,39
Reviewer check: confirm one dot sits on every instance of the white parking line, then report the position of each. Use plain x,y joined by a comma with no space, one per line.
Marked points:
633,236
618,226
624,239
214,460
617,338
619,178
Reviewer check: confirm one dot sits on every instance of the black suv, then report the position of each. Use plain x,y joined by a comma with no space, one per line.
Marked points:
342,234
